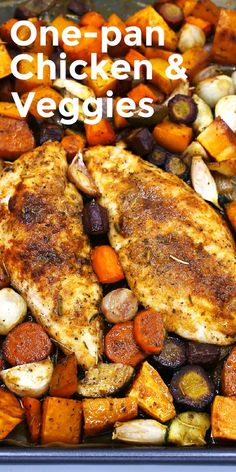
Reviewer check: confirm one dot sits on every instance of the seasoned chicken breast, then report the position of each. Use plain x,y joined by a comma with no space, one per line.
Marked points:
177,252
46,253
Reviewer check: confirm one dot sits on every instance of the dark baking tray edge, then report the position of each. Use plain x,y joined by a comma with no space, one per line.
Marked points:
118,456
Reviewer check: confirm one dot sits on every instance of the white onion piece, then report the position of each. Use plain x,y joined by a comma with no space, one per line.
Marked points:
213,89
203,182
13,310
204,116
140,431
191,36
226,109
80,177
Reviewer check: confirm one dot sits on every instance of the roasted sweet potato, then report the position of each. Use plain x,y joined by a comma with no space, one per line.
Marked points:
173,136
5,61
64,378
206,10
228,375
99,85
101,414
219,140
102,133
231,212
11,413
187,6
224,45
223,418
144,90
25,67
121,48
134,55
33,416
119,121
16,138
152,394
194,60
41,92
61,421
86,46
5,31
92,18
60,23
149,17
159,77
10,110
152,53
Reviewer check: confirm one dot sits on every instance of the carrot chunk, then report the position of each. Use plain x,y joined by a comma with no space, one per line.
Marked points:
228,375
149,330
106,265
120,345
33,416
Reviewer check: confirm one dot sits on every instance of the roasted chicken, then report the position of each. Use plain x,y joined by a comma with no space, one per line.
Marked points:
176,251
45,252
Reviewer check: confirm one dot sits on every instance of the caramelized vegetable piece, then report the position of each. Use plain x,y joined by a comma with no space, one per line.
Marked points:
159,77
231,213
64,378
50,132
172,356
189,429
140,432
152,394
60,23
100,414
158,156
11,413
172,136
149,331
106,265
219,140
182,109
176,166
119,305
140,141
202,353
72,145
143,90
172,14
33,416
79,175
10,110
42,92
62,421
5,61
86,45
99,85
192,387
228,376
207,10
92,18
5,31
6,89
102,133
223,418
160,111
27,342
95,219
224,45
120,345
104,380
77,7
206,26
25,67
195,60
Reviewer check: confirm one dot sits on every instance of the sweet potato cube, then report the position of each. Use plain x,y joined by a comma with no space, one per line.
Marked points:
64,380
207,10
11,413
41,92
228,375
10,109
33,416
159,77
223,418
194,60
224,45
60,23
173,136
101,414
62,421
231,213
25,67
227,168
219,140
86,45
5,31
187,6
99,85
152,394
149,17
5,61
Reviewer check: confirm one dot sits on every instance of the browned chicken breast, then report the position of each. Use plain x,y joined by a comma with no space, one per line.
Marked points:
177,252
45,252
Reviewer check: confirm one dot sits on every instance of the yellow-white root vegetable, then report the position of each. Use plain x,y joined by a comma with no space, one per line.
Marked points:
204,116
213,89
13,310
189,429
140,432
203,182
29,379
191,36
226,109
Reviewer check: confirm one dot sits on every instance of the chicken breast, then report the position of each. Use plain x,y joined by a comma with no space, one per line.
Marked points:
46,253
176,251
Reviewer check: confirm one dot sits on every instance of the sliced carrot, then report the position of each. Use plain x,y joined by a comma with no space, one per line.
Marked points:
120,345
172,136
106,265
149,331
73,144
33,416
5,31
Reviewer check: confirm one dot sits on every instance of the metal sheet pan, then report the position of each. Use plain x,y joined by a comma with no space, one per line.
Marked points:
106,452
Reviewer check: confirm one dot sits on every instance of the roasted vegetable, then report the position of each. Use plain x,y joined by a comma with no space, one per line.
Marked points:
195,60
27,67
27,342
102,133
228,376
16,138
213,70
33,416
144,90
152,394
79,175
172,136
224,46
219,140
92,18
223,419
50,132
189,429
176,166
73,144
11,413
191,36
231,213
10,110
6,89
106,265
120,345
61,421
159,113
5,61
105,380
149,331
206,26
95,219
140,141
87,43
100,86
31,380
202,181
100,414
213,89
206,9
42,92
172,356
158,156
204,115
182,109
13,310
172,14
140,432
226,109
192,387
202,353
119,305
64,378
194,149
